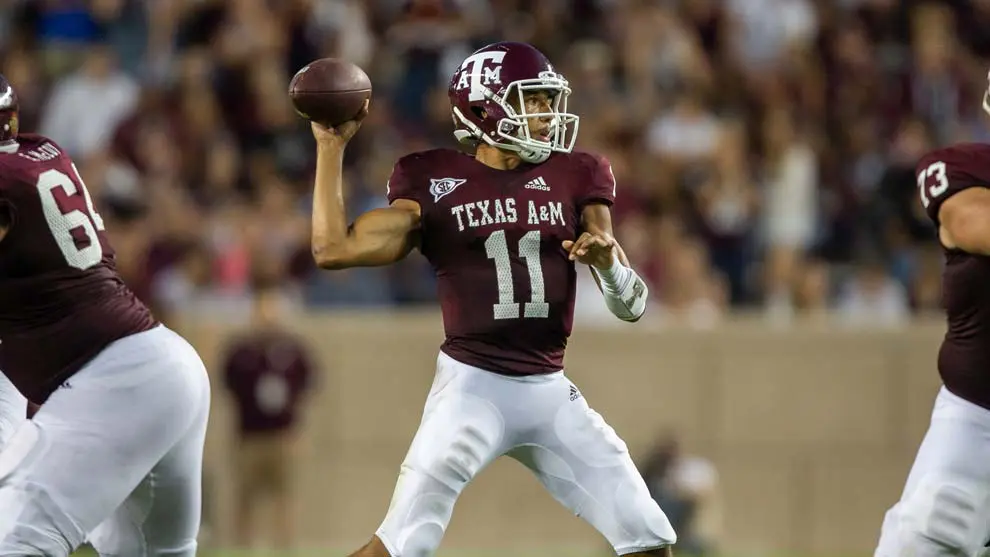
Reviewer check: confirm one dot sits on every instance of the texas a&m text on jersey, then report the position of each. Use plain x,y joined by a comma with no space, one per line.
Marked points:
506,286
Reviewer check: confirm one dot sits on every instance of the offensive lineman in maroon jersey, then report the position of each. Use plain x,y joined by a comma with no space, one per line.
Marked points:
945,507
502,230
114,454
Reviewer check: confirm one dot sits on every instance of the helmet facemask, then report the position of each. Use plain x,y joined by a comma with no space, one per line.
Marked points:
513,128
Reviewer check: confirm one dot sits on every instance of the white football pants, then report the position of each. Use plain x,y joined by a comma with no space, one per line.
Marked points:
473,416
115,453
945,507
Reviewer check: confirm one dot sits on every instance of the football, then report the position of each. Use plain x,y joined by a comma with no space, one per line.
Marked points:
330,91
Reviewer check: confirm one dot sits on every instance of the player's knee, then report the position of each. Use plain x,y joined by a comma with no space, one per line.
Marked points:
643,519
33,524
126,536
426,491
27,530
458,438
421,541
945,518
419,514
633,523
21,548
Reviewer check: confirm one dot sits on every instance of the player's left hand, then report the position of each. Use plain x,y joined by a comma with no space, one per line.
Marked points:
591,249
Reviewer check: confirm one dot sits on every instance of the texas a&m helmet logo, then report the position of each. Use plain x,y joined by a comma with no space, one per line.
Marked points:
479,71
440,187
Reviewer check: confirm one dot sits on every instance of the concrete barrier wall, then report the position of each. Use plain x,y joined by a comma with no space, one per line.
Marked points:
812,429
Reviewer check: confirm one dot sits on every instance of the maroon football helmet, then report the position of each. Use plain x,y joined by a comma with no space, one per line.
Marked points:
480,93
8,112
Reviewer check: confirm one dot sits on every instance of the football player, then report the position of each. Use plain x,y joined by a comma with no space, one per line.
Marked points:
115,451
945,506
503,229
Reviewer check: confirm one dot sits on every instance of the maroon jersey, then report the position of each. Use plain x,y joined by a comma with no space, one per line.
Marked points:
61,301
506,286
267,372
964,358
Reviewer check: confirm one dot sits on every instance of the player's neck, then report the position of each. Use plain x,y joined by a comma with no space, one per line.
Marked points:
497,158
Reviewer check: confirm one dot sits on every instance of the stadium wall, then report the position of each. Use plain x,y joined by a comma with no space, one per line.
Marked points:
812,429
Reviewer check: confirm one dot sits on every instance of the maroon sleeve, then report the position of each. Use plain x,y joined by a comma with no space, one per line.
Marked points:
399,184
599,185
946,172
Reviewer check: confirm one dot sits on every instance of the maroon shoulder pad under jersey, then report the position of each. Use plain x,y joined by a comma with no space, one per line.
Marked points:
964,358
506,286
61,300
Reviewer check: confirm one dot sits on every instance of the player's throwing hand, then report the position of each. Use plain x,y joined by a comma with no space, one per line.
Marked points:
338,136
596,250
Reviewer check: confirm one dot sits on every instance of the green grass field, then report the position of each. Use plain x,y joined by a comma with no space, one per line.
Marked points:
450,553
343,553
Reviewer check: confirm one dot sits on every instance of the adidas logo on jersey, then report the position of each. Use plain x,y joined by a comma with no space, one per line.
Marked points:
575,393
537,183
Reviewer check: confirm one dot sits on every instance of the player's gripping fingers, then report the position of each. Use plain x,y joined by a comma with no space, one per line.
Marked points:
364,110
580,246
342,133
600,253
595,243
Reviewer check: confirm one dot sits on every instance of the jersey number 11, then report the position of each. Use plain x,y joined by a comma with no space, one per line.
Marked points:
497,249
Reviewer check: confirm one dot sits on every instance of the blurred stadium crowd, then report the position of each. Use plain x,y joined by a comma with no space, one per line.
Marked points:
764,148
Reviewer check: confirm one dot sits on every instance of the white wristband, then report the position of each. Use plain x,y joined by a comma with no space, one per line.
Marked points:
613,277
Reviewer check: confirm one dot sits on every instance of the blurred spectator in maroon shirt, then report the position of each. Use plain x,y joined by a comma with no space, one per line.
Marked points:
268,371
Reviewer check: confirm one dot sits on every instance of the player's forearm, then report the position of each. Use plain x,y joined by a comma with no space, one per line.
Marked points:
377,237
329,235
624,291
